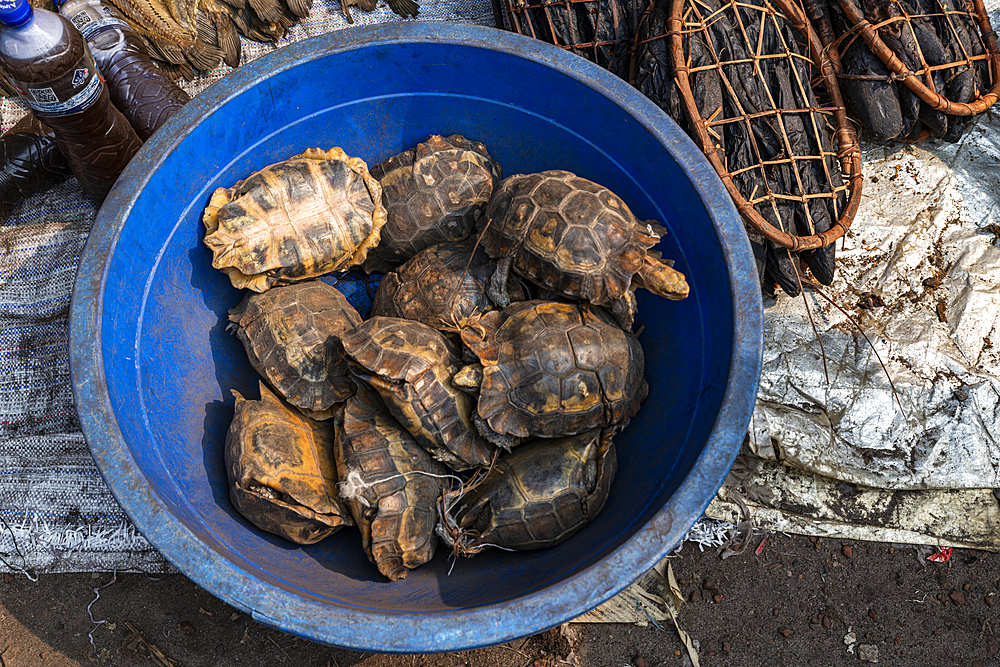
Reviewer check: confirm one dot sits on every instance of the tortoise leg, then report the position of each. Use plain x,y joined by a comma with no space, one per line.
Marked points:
504,442
624,308
497,287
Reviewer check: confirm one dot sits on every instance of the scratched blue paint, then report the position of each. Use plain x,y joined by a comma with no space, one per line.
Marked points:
153,366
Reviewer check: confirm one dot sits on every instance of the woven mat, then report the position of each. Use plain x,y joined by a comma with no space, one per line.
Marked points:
56,513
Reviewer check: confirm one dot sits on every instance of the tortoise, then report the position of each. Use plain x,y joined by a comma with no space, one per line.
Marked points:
551,369
282,476
433,193
304,217
291,334
536,496
441,286
390,483
571,235
410,365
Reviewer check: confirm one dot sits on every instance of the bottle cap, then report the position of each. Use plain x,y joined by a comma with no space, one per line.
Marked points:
15,13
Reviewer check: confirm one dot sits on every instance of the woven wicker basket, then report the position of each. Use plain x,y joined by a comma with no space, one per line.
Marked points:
920,80
690,20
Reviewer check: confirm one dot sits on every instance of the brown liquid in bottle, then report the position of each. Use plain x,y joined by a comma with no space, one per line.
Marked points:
139,89
47,61
29,161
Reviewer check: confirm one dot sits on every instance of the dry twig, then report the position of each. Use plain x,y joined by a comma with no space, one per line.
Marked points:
156,654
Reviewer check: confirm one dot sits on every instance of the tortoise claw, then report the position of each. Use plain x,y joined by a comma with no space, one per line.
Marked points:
505,442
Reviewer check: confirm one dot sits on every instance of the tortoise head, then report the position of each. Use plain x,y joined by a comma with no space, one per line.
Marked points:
661,279
469,378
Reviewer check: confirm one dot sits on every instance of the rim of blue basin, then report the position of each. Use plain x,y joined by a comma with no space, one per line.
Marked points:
459,629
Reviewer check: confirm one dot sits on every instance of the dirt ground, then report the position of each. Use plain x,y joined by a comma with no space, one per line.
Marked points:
799,602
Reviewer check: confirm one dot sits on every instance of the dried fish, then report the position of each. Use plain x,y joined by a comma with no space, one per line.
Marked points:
220,16
176,42
403,7
937,40
751,83
600,30
814,170
268,11
652,73
753,137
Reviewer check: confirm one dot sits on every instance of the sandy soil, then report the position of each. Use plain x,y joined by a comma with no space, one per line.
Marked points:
798,602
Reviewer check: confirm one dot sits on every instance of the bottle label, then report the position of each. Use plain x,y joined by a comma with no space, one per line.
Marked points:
90,21
71,93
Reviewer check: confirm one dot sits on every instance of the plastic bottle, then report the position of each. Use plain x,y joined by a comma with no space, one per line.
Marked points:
47,61
29,161
139,89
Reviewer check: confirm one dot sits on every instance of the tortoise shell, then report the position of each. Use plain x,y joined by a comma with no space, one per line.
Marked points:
540,493
571,235
441,286
306,216
291,335
281,471
433,193
554,369
411,365
390,483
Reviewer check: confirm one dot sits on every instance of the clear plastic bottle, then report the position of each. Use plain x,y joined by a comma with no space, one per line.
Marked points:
139,89
47,61
29,161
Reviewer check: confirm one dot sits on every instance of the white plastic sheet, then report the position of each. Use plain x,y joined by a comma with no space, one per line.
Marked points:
878,414
922,252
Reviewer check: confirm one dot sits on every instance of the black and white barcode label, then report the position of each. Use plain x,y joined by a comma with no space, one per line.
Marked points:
71,93
91,21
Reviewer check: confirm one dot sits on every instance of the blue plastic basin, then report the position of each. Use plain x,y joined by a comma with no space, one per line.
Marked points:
153,365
